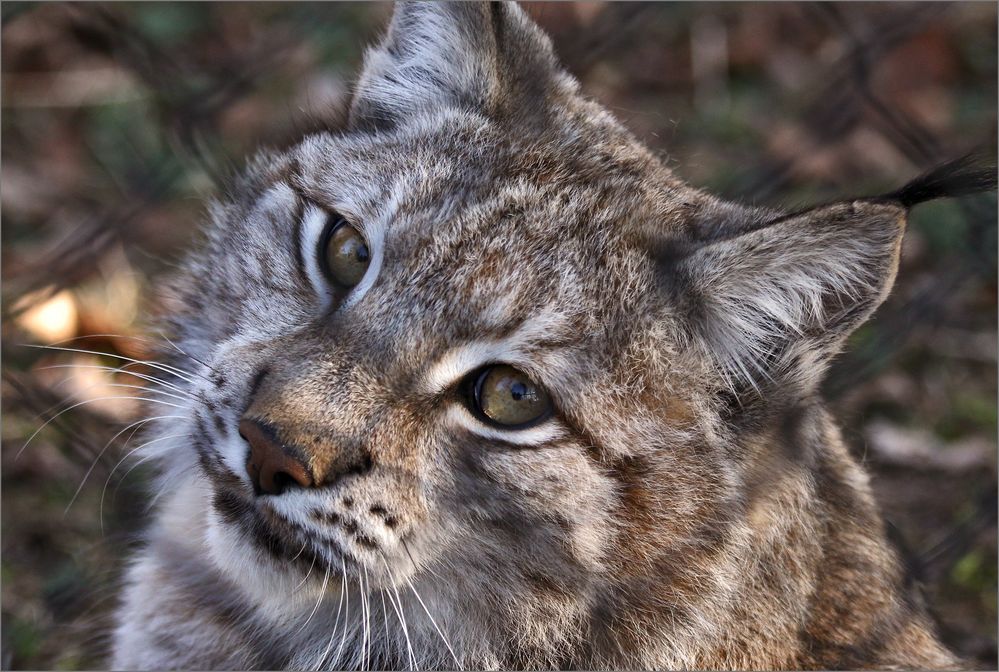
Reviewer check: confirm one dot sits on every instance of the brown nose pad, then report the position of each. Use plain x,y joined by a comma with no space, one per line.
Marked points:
272,466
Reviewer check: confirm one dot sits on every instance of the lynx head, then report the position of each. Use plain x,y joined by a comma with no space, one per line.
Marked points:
479,342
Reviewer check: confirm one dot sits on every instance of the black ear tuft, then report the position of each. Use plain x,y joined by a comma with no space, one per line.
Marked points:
958,177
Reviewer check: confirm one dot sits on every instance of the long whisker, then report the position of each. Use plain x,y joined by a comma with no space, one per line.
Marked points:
370,623
322,594
136,465
397,604
162,490
145,388
433,622
364,621
83,337
184,352
183,375
165,488
125,457
300,551
166,368
107,482
53,407
110,354
121,369
346,618
329,647
412,562
389,645
306,578
97,459
124,337
89,401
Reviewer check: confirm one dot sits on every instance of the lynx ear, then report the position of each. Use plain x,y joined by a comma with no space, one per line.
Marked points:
772,298
774,302
468,55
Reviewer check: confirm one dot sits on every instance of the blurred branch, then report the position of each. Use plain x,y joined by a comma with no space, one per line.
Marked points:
189,111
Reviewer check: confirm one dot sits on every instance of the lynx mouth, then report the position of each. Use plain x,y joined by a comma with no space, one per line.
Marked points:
282,540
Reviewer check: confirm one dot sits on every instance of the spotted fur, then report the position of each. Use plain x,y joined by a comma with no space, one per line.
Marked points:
689,505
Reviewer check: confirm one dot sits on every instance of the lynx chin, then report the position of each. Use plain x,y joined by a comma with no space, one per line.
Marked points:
472,380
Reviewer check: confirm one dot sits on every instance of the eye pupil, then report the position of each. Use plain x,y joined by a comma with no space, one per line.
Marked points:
518,391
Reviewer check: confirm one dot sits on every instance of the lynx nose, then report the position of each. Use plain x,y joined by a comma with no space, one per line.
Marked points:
272,466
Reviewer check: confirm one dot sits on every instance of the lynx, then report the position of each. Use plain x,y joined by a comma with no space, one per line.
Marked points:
474,381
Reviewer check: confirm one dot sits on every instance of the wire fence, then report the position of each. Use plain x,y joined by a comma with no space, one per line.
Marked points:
120,119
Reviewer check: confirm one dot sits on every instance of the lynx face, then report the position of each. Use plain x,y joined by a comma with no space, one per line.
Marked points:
482,343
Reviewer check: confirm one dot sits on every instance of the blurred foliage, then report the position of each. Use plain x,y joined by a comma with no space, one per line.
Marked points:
119,120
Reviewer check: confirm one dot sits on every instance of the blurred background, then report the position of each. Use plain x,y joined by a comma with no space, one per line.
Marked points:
120,120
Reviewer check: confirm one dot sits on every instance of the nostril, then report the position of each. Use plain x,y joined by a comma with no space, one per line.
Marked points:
283,481
272,466
362,466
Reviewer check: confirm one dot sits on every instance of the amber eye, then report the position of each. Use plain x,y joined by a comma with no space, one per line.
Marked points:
505,396
343,252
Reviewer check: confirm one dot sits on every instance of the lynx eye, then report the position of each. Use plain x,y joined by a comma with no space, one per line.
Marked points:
343,252
507,397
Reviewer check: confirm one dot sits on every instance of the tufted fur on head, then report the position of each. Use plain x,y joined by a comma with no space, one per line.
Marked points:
687,504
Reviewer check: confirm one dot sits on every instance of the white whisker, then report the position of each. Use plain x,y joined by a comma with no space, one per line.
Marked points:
62,382
107,482
306,578
145,388
397,604
434,623
346,618
336,622
120,369
93,464
136,465
166,368
83,403
183,375
365,611
183,352
300,551
388,635
165,487
144,339
319,600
